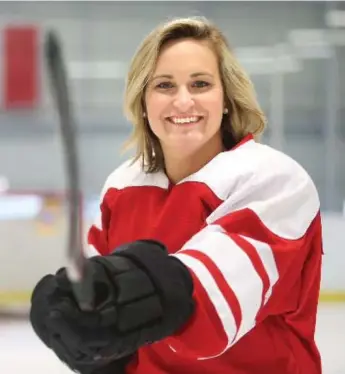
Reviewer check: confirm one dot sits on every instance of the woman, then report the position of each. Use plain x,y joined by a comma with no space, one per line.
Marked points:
208,246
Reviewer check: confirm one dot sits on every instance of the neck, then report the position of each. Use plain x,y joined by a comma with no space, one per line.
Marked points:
179,165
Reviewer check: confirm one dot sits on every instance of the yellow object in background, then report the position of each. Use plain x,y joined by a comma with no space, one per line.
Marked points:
50,217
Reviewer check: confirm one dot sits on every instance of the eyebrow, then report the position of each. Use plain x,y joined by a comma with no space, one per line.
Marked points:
194,75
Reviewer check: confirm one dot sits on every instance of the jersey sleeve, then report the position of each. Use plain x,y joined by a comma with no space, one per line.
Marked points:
97,237
97,243
247,258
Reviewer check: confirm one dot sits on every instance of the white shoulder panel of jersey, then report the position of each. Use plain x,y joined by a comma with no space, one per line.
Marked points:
229,170
249,164
265,180
130,174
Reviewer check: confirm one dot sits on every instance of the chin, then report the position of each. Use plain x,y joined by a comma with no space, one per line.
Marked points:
186,146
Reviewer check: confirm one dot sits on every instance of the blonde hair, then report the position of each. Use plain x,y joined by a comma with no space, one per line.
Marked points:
244,113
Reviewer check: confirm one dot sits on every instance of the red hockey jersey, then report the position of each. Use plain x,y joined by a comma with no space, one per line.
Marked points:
248,227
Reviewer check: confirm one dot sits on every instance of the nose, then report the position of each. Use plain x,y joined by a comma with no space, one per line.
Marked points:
183,100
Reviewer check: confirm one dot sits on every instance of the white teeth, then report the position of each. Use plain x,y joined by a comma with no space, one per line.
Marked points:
184,120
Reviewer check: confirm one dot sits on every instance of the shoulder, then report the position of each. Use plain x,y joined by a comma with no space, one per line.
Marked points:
268,173
276,170
261,179
131,174
269,183
262,162
251,167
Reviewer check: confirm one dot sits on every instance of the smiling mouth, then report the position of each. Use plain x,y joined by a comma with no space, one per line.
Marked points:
184,120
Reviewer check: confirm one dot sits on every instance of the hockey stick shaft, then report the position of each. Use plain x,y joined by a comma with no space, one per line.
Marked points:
77,270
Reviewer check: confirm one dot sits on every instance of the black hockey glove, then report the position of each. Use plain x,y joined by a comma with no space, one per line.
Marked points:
142,296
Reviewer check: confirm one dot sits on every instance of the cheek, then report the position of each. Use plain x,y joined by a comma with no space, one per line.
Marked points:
214,103
155,105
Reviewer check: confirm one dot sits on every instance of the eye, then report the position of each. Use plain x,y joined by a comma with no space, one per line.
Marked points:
201,84
164,85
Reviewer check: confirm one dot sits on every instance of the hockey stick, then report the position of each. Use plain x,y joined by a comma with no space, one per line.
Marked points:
76,268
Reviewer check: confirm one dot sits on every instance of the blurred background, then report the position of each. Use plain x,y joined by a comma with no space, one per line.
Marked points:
295,54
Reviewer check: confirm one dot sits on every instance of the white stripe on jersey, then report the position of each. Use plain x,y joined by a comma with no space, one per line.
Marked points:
238,271
266,255
215,295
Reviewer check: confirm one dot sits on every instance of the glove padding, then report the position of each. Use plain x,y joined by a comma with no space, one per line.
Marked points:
142,295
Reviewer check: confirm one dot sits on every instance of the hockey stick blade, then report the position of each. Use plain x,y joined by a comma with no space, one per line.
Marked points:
77,269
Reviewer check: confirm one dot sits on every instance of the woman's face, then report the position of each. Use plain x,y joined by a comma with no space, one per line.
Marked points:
185,99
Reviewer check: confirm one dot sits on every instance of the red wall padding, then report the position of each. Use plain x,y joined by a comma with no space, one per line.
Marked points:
21,70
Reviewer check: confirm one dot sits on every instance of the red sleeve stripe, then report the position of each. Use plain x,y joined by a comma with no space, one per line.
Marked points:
217,298
264,251
222,284
237,269
254,256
